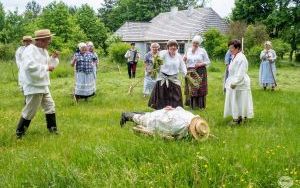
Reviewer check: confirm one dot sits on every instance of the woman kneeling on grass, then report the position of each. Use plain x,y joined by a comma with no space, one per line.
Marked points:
170,123
238,101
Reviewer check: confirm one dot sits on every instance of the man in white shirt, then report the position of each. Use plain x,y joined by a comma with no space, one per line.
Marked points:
34,73
168,122
27,40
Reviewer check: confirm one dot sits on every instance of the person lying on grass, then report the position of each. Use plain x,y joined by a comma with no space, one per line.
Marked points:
170,123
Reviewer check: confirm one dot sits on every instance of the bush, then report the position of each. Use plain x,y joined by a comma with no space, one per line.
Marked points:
117,51
7,51
215,43
113,39
253,54
255,35
280,47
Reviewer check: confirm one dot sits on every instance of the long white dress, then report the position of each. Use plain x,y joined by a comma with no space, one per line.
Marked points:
238,101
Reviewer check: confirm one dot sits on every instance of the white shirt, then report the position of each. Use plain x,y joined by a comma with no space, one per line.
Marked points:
200,56
19,55
172,65
238,76
168,122
34,70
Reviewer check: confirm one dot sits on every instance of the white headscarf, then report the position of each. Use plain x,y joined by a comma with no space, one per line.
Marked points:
197,39
81,45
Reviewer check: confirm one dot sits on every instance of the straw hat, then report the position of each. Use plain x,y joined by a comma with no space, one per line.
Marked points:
197,39
199,128
171,43
27,38
43,33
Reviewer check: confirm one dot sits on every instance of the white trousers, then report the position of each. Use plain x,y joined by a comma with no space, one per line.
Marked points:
33,102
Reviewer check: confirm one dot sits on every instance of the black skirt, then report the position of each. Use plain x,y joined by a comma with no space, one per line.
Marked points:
163,96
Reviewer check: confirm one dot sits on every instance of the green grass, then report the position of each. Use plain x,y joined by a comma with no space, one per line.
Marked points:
93,151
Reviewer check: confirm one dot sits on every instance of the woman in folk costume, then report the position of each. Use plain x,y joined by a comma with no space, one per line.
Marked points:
91,49
238,101
85,79
168,122
196,60
167,89
150,76
267,70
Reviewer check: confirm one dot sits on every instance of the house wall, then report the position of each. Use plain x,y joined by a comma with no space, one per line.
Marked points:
141,46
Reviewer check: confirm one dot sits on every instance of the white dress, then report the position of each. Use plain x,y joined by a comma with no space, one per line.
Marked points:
166,122
238,101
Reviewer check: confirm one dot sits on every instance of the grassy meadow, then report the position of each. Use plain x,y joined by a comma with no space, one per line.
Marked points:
93,151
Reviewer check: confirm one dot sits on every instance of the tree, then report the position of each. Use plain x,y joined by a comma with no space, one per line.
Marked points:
255,35
91,25
13,28
253,11
237,30
57,18
2,17
33,9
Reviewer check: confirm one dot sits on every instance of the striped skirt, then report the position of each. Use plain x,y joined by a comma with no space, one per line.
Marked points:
196,96
85,84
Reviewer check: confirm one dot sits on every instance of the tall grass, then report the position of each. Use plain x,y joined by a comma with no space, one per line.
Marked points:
93,151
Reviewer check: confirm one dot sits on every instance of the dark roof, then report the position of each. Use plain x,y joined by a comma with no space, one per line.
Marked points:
178,25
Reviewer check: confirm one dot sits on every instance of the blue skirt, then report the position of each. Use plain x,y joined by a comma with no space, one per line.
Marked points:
266,77
149,83
85,84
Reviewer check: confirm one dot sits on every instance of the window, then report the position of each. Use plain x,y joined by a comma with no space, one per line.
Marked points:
181,48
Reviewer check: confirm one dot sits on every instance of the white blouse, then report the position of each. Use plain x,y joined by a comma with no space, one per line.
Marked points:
238,76
200,56
172,65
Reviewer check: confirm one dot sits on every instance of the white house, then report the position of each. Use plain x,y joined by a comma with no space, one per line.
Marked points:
179,25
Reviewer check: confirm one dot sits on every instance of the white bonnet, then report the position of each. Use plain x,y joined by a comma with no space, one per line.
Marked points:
197,39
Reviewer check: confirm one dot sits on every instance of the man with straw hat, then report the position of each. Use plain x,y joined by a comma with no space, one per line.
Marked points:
27,40
170,123
34,73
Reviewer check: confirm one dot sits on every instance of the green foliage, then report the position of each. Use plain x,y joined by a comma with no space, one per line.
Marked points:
116,52
297,57
252,11
237,30
91,25
63,24
112,39
255,35
280,47
215,43
7,51
253,54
